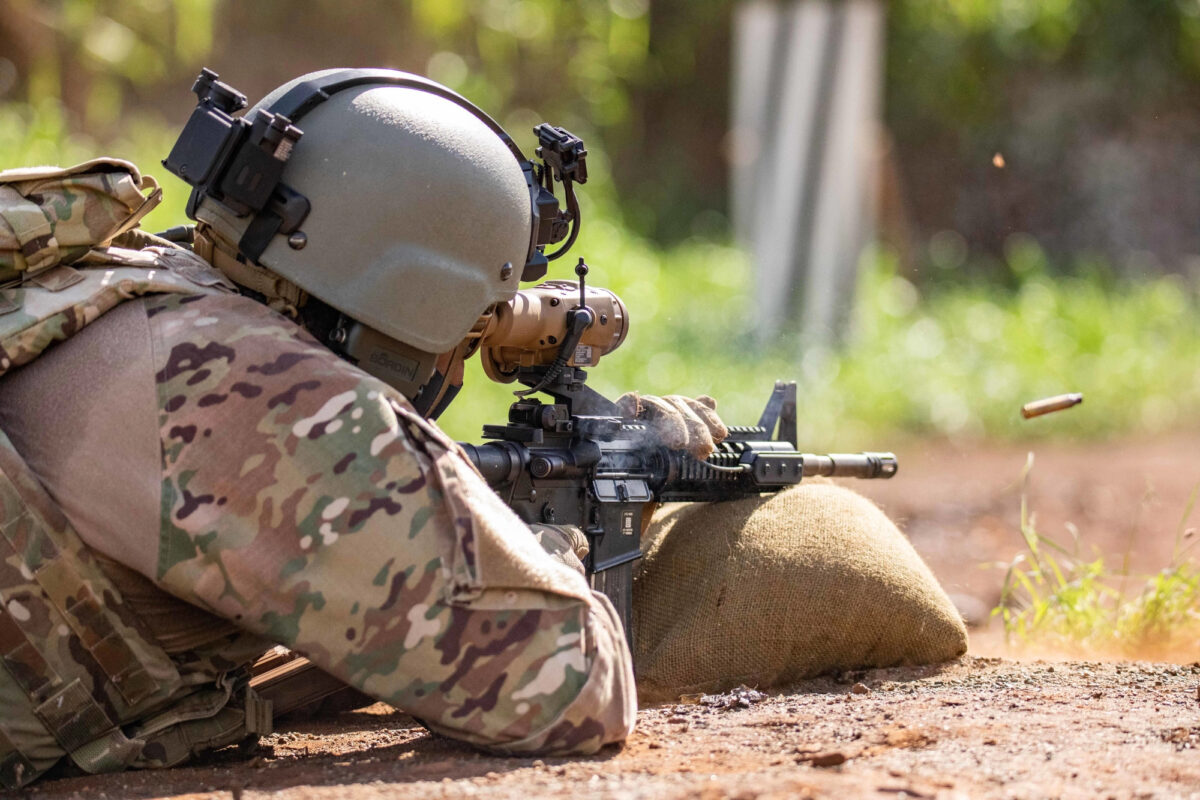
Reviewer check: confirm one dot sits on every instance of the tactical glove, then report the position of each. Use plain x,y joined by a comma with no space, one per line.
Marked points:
566,544
682,423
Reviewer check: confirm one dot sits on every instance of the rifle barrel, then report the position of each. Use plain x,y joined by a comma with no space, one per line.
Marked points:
850,465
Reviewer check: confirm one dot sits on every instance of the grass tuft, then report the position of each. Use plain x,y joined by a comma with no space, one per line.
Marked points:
1052,596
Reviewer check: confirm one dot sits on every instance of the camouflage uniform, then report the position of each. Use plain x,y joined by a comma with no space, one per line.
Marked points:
284,491
307,501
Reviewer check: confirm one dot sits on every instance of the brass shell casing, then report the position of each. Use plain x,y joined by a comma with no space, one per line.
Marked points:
1051,404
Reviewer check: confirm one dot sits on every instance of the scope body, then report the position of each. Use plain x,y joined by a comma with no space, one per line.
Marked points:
528,331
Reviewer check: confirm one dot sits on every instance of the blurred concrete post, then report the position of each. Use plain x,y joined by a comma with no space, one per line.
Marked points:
807,78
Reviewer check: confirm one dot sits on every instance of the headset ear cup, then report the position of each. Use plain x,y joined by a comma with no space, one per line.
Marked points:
445,383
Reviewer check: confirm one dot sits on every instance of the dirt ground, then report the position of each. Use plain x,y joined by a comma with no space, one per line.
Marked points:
981,727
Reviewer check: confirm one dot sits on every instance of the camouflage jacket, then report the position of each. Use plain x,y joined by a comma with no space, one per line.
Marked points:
306,502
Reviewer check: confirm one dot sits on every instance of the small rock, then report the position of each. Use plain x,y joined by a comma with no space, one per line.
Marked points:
904,791
830,759
860,688
741,697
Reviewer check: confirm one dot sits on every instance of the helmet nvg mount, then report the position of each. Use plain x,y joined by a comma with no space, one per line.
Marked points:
401,207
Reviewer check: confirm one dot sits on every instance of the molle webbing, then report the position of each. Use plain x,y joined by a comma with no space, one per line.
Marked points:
51,216
281,294
91,683
31,231
63,638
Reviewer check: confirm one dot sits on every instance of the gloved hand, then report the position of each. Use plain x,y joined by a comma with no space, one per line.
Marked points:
682,423
566,544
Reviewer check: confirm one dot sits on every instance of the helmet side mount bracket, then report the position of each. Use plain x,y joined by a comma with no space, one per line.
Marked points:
239,162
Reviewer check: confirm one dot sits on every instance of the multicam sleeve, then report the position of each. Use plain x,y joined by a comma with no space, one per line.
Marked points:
305,500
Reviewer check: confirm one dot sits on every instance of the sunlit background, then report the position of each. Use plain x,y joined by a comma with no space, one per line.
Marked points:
1032,223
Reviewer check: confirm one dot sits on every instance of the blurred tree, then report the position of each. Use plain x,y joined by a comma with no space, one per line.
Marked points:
98,57
645,83
1093,103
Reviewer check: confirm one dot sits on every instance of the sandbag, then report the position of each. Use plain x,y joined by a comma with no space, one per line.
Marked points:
768,590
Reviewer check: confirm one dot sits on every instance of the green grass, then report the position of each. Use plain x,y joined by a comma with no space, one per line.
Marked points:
946,356
41,134
1054,596
951,360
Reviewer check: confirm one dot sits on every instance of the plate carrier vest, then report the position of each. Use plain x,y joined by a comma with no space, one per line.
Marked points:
79,676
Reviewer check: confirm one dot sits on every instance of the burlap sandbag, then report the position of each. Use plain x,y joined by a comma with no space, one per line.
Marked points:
768,590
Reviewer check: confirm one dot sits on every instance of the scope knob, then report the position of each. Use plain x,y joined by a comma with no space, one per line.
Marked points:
540,467
549,417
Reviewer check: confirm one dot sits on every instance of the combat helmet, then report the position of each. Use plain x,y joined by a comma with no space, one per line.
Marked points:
381,207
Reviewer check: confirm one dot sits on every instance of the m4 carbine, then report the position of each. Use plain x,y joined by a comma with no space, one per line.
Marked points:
578,461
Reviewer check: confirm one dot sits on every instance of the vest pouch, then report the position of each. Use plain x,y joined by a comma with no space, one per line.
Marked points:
34,316
51,216
78,676
211,718
73,662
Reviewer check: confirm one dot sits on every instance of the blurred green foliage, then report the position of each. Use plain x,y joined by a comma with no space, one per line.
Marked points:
936,355
96,57
1095,105
946,360
958,64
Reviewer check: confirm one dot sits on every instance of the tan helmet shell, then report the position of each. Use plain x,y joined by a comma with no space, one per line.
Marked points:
420,219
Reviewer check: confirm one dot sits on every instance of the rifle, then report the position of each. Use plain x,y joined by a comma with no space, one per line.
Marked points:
579,461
